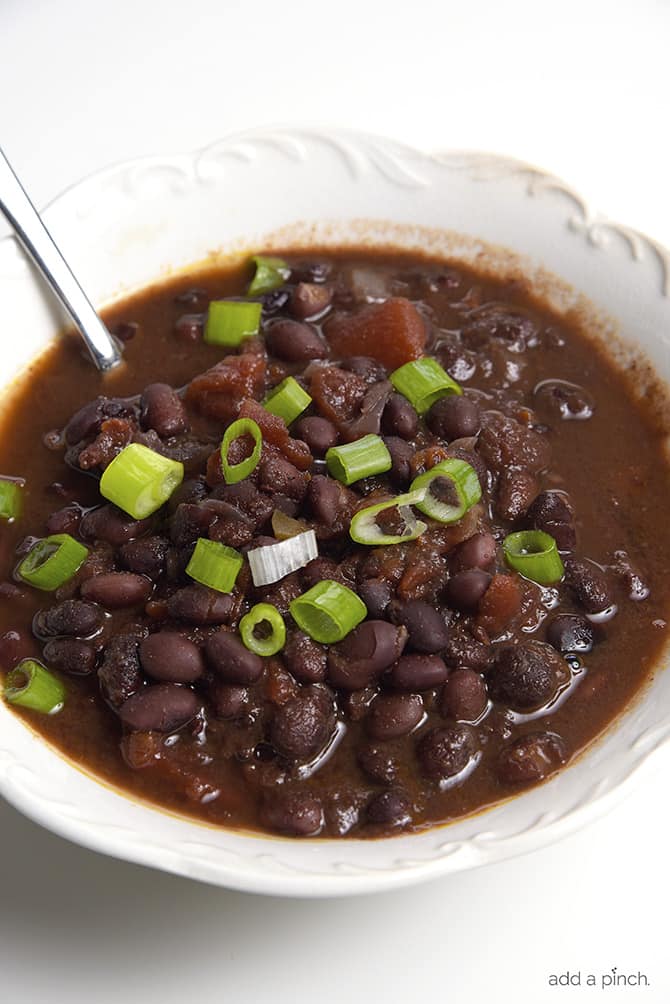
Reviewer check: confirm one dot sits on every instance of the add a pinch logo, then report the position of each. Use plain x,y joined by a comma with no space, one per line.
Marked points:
603,980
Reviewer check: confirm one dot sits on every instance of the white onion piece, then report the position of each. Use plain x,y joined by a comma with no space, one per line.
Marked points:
274,561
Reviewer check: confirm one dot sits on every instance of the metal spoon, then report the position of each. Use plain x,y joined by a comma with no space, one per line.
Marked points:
38,242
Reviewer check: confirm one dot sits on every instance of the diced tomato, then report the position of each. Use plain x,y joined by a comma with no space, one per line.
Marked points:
220,391
274,431
499,605
392,332
337,393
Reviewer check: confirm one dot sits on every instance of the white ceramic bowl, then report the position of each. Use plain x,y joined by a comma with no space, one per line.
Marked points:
133,223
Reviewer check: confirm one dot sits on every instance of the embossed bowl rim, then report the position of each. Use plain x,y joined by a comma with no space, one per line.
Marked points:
138,221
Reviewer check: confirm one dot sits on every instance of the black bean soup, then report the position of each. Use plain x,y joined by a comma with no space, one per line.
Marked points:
430,657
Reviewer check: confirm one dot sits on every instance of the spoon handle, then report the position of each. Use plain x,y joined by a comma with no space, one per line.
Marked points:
37,241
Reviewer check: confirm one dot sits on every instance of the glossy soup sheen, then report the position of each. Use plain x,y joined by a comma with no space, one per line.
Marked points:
298,752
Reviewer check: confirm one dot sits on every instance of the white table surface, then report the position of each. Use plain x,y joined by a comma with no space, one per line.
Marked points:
577,88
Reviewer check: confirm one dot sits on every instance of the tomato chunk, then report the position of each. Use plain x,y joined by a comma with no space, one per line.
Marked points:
392,332
274,431
499,605
219,391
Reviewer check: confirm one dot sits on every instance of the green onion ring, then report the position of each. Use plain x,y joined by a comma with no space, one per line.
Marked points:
263,613
233,473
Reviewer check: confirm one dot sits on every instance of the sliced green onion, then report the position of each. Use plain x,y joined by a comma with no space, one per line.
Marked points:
258,617
287,400
274,561
270,273
140,481
359,459
53,561
233,473
229,322
10,498
214,565
32,686
535,555
423,382
364,528
328,611
463,485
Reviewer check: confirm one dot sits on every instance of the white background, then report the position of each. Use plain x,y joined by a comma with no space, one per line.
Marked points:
580,89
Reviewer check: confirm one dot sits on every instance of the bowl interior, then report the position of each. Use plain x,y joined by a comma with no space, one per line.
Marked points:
138,222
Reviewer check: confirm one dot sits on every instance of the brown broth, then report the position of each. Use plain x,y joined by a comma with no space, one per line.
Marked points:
613,466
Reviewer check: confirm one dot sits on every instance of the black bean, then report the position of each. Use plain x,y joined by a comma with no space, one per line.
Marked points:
516,490
478,551
190,327
171,658
589,584
309,299
376,594
194,296
325,499
229,701
454,417
368,369
399,418
317,432
378,762
162,410
445,752
551,513
304,658
70,655
462,651
318,569
246,497
368,421
571,633
87,421
234,530
145,556
427,627
522,677
401,456
364,654
355,703
275,301
311,271
465,589
190,521
191,490
120,674
394,715
390,809
231,660
286,505
464,696
298,813
71,617
301,727
163,707
111,525
531,758
276,474
115,590
125,331
418,672
200,605
294,342
65,520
